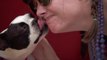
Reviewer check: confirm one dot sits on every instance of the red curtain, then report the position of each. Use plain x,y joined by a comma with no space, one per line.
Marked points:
66,45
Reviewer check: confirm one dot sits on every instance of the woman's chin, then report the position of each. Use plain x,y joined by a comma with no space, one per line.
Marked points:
57,30
54,30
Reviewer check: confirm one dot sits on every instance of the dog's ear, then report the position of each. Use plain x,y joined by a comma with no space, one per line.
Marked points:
31,5
26,1
3,43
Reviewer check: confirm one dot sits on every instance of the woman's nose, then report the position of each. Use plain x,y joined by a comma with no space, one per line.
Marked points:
41,11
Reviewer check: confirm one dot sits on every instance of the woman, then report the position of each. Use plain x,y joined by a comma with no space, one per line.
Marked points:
76,15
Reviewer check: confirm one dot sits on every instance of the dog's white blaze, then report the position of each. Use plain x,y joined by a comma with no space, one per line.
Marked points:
24,18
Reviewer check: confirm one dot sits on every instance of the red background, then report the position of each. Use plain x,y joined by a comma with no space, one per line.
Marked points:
66,45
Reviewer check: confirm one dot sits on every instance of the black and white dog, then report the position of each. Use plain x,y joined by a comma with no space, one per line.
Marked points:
21,37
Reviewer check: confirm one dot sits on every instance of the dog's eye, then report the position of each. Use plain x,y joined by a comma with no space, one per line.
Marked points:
24,25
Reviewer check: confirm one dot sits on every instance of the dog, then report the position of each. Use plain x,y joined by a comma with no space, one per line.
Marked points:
21,37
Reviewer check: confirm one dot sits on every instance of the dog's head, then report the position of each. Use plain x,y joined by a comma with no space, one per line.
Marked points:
23,32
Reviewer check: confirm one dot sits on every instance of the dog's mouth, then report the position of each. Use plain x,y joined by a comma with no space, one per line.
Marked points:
42,27
40,22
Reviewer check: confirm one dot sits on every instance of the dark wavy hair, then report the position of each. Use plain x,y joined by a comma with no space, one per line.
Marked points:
94,8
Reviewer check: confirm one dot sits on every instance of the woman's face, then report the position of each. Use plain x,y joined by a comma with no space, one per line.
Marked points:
64,15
